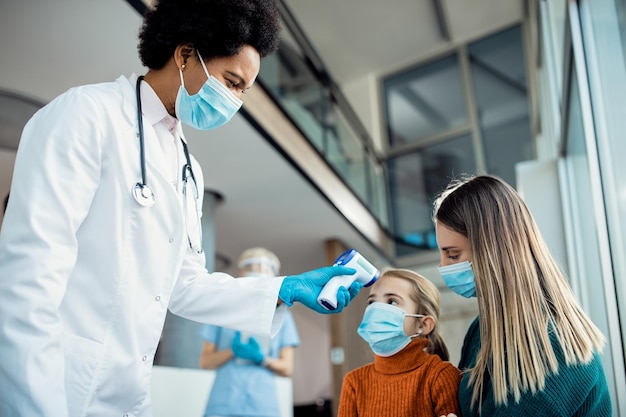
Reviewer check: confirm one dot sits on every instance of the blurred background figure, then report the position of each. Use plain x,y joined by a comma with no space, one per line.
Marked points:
244,383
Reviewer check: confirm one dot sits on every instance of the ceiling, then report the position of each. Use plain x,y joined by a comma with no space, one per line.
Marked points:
360,38
48,47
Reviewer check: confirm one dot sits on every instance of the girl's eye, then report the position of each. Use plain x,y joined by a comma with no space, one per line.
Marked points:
392,301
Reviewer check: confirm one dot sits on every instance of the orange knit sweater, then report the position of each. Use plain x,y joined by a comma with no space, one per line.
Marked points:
411,383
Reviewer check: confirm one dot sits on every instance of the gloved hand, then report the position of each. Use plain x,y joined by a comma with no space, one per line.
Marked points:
306,287
250,350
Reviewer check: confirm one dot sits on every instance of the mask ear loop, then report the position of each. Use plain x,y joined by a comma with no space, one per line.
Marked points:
203,65
224,92
180,71
419,331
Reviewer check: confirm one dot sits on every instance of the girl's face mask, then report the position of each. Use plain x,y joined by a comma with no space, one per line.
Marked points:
383,328
212,106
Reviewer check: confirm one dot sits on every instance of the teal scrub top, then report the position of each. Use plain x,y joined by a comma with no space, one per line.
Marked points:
242,388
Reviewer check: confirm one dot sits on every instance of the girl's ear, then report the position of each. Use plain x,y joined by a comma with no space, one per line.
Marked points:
427,325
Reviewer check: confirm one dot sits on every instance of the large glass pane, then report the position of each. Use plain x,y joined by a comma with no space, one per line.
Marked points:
555,10
415,179
499,76
288,78
380,201
604,31
548,88
424,101
586,268
604,34
345,152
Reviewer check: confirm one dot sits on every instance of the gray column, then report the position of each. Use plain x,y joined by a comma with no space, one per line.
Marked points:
181,344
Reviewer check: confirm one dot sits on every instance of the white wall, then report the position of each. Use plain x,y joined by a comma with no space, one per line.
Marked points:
538,184
184,392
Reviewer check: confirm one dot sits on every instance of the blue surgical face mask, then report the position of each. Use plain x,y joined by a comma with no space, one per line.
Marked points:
383,328
212,106
459,278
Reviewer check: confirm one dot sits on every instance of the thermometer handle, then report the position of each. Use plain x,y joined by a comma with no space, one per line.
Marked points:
365,273
328,295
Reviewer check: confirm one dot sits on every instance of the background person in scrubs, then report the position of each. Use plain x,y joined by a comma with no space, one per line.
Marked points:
244,384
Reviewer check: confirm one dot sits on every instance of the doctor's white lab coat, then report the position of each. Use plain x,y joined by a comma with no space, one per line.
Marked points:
87,274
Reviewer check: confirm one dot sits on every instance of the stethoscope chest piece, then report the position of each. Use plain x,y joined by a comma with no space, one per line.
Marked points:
143,194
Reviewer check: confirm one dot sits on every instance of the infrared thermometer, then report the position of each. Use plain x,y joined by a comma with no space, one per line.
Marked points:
365,273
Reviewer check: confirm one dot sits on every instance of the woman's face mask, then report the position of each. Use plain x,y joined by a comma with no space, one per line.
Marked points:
212,106
383,328
459,278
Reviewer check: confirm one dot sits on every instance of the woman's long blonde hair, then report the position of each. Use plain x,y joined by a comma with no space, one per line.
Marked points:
426,295
523,297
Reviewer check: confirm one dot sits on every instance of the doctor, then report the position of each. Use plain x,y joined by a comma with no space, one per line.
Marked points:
101,235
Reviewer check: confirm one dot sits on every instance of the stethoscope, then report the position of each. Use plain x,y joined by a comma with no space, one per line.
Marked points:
143,193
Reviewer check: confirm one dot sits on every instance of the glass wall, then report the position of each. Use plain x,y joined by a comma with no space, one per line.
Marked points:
464,113
414,179
587,259
501,94
310,101
424,101
603,25
592,66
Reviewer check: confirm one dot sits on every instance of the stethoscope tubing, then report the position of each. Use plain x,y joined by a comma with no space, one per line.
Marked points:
143,193
142,149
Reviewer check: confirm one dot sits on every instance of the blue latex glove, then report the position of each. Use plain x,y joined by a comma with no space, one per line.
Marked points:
306,287
250,351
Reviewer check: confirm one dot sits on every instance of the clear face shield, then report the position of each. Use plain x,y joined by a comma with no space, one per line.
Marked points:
258,267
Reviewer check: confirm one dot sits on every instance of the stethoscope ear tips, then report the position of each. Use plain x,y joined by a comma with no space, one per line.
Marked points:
143,195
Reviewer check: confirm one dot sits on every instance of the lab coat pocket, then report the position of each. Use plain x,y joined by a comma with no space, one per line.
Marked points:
81,358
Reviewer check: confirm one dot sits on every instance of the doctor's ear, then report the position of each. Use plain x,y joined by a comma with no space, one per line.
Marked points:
182,54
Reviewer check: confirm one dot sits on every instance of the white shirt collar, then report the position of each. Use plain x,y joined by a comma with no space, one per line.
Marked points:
154,110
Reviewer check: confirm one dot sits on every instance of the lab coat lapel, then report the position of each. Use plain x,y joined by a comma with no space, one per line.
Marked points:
155,157
156,160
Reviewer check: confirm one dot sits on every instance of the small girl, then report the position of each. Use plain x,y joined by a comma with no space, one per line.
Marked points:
410,375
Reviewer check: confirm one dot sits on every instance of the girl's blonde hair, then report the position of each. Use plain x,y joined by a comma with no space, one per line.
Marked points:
426,296
523,298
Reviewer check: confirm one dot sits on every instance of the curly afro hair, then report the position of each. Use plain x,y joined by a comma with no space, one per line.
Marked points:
217,28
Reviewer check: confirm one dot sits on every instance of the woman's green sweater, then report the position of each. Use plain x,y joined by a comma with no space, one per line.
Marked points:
575,391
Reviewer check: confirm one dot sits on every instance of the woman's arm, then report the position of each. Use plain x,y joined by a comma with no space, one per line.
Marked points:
211,358
283,365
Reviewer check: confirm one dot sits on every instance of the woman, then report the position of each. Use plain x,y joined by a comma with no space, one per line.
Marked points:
245,364
532,350
101,235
